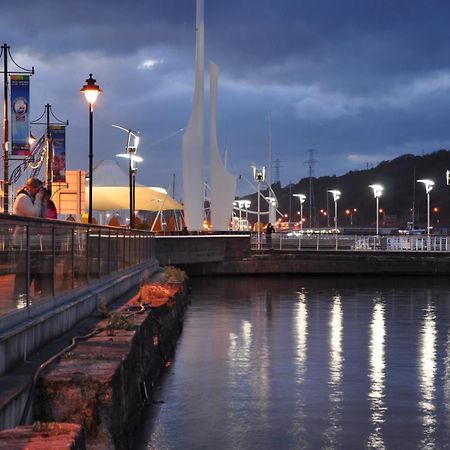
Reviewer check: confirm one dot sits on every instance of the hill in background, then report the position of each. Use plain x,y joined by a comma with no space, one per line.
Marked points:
401,194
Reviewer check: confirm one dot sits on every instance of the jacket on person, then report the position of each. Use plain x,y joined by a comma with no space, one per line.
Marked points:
25,205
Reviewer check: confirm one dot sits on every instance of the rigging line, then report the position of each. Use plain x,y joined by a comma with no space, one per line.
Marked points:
164,138
20,67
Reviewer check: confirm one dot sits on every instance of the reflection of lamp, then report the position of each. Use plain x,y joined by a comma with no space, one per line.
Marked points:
133,159
302,198
428,187
377,193
90,91
259,175
336,196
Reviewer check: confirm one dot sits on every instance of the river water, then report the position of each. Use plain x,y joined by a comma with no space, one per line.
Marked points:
307,363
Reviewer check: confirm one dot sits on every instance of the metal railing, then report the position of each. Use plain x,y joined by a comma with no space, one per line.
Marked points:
281,241
42,258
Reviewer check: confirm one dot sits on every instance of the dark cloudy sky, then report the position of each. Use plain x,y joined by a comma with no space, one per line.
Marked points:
360,81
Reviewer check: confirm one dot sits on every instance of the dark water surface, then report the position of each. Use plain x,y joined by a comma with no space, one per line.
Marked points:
308,363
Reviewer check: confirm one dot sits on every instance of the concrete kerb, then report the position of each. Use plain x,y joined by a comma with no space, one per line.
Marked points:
27,331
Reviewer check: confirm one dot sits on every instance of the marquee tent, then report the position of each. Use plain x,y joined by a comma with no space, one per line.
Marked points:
111,191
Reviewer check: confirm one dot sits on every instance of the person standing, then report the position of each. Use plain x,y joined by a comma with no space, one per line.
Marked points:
48,207
269,230
28,203
28,200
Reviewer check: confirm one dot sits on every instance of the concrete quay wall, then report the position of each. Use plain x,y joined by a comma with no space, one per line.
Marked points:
231,255
29,329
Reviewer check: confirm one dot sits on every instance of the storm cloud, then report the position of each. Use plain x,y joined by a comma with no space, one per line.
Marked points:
360,81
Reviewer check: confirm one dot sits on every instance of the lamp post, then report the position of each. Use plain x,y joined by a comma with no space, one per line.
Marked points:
302,198
90,91
336,196
133,159
377,193
259,176
5,52
428,187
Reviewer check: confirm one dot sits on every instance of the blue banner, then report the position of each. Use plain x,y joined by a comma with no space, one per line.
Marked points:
20,114
58,137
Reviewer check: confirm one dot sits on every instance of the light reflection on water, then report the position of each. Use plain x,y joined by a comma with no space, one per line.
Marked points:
377,374
331,436
427,374
308,363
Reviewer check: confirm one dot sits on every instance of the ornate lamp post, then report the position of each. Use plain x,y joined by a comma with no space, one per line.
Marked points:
302,198
377,193
428,187
90,91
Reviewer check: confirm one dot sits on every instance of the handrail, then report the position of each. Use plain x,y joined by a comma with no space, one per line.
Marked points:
355,243
45,258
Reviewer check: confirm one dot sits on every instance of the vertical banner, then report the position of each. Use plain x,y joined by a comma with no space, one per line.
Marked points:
58,137
20,117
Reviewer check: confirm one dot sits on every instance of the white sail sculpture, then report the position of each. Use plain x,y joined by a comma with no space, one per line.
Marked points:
194,140
223,184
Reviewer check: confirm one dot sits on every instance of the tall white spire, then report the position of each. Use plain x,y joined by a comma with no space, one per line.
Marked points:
193,139
223,184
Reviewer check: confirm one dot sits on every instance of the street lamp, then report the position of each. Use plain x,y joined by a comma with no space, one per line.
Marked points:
377,193
428,187
133,159
259,176
302,198
336,196
90,91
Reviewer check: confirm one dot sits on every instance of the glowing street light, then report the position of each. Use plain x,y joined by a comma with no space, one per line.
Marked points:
377,193
133,159
91,91
302,198
336,196
428,187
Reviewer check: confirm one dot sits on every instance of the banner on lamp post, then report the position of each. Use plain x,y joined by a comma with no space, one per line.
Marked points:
20,115
58,138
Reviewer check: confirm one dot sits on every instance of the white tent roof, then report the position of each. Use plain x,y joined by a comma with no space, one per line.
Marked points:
111,191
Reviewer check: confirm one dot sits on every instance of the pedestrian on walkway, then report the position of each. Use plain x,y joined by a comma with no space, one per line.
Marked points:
269,230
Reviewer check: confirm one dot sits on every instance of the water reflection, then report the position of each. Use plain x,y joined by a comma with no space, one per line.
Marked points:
335,380
377,374
446,387
300,336
427,375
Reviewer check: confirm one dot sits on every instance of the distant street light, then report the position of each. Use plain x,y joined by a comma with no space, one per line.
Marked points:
377,193
302,198
336,196
133,159
259,176
428,187
350,212
91,91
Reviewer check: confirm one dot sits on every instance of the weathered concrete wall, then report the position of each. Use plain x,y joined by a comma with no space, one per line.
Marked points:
30,330
201,249
102,383
43,436
358,263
